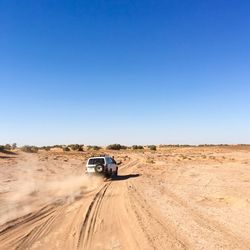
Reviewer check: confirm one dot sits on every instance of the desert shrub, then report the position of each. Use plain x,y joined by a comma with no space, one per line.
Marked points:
47,148
76,147
152,147
29,149
137,147
116,147
7,147
66,149
213,145
175,146
13,146
57,146
94,147
1,147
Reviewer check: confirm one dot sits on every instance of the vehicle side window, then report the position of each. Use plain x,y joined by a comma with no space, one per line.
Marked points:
108,160
112,161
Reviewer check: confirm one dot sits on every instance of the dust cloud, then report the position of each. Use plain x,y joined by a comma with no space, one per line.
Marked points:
33,188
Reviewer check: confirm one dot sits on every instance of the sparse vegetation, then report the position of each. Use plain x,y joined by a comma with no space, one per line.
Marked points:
175,145
94,147
152,147
76,147
116,147
7,147
66,149
47,148
201,145
57,146
137,147
213,145
29,149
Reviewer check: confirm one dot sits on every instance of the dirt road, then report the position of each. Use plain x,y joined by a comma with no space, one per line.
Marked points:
137,210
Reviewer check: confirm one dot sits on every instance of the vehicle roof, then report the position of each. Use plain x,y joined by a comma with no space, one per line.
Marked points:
99,157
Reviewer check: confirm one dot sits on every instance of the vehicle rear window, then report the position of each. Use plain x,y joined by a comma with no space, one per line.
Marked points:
96,161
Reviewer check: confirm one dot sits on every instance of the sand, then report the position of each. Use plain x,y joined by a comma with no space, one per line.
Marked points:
174,198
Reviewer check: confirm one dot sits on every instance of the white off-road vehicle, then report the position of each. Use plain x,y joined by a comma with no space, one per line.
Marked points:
105,165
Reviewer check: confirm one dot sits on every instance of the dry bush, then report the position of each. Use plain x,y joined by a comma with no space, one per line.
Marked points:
94,147
116,147
152,147
66,149
29,149
76,147
137,147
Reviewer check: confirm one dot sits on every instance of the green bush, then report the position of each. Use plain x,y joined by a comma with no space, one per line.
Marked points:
137,147
152,147
1,147
116,147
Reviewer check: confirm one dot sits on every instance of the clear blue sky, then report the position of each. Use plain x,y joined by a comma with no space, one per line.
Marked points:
131,72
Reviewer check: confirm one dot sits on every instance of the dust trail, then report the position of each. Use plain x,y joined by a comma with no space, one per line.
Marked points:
33,189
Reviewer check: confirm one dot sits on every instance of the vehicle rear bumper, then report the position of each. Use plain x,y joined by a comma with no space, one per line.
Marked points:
90,170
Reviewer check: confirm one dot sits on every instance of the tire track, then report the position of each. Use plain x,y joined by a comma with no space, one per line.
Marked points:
158,234
200,223
23,232
207,222
87,229
40,230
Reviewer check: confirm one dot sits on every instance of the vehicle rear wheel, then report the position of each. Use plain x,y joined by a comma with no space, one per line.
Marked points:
99,169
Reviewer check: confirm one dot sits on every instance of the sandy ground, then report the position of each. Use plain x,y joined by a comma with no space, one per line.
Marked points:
174,198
